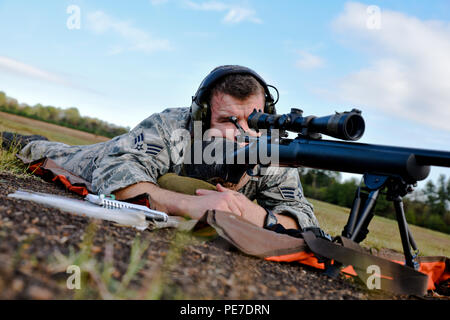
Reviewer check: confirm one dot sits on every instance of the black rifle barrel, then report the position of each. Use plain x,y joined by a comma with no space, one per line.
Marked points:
425,157
408,163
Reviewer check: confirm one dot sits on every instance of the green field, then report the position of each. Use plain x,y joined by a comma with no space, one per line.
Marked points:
383,232
22,125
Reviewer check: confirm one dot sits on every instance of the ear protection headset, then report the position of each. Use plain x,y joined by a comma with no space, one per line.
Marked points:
200,110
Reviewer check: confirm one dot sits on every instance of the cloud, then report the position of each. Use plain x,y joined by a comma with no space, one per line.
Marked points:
234,13
20,68
31,72
308,60
137,39
408,73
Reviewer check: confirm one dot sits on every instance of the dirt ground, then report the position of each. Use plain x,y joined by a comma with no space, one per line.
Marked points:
195,268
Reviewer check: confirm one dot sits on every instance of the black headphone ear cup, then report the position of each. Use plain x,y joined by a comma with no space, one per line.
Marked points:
269,106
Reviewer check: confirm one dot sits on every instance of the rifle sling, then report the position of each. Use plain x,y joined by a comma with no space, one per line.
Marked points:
257,241
395,277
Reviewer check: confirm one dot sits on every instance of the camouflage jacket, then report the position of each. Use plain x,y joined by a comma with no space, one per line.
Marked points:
151,150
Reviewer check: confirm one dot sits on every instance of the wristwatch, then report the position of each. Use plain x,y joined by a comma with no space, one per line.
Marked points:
270,219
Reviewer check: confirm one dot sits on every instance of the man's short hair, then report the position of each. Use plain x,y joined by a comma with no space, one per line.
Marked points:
239,86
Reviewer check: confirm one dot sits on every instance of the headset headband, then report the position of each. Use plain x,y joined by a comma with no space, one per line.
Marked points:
222,71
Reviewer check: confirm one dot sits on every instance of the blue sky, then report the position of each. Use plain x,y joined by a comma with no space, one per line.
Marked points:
391,59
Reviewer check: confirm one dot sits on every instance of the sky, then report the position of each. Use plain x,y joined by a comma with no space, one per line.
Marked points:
121,61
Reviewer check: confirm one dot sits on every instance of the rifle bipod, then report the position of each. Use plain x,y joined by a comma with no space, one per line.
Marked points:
361,214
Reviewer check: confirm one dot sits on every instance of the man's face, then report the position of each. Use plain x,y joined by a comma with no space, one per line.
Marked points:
224,106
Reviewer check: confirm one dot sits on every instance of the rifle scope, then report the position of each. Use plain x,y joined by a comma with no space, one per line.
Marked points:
347,125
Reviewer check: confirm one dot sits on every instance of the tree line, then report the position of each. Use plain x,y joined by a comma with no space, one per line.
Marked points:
69,117
427,207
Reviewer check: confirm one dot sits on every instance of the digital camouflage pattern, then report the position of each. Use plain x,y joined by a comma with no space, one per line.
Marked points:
151,150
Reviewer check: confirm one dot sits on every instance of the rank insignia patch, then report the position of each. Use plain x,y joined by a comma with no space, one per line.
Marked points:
139,138
153,149
287,192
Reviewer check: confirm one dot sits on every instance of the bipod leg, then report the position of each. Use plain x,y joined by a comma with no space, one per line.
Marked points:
365,217
411,240
405,234
333,270
353,217
360,217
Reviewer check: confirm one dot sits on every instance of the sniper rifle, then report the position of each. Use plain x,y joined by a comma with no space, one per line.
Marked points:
388,169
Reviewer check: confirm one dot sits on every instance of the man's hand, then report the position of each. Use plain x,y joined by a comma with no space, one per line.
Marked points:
232,201
174,203
237,203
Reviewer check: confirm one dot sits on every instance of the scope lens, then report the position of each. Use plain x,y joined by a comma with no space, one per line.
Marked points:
354,127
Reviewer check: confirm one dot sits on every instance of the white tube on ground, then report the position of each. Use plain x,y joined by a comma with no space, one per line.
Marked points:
84,208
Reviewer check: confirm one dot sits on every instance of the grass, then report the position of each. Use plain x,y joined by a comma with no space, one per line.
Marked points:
97,276
10,163
27,126
383,232
98,280
160,286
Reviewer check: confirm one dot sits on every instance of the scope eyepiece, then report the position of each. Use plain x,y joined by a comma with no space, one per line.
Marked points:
347,125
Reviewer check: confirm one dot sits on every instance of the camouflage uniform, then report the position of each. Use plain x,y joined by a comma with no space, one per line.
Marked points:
149,151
